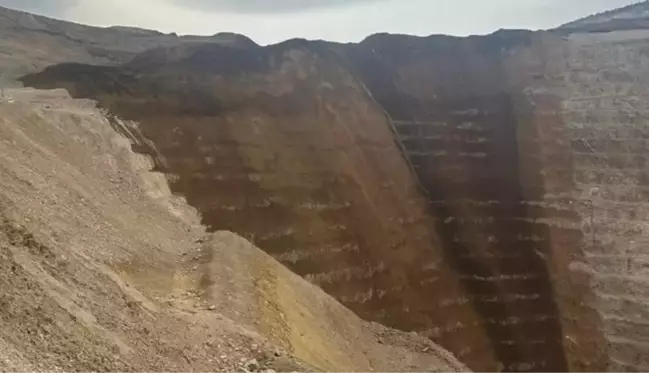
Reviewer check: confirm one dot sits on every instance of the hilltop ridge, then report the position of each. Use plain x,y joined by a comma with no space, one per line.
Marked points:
31,42
634,16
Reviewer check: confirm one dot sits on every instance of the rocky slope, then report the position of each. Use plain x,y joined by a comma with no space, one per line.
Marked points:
102,269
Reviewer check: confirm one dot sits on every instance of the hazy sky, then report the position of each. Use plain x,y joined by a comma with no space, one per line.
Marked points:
270,21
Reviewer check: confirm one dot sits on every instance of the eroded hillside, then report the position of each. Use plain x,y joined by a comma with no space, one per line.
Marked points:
102,269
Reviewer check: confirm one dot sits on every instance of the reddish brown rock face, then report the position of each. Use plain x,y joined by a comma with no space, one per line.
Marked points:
417,180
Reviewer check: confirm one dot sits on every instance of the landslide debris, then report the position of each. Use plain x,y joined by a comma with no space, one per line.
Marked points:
102,269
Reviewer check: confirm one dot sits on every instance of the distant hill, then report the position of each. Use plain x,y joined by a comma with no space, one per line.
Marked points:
634,16
30,42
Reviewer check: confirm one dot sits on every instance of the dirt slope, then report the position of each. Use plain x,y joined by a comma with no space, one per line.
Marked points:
103,270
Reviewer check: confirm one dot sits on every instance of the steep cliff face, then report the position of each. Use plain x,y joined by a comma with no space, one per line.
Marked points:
484,191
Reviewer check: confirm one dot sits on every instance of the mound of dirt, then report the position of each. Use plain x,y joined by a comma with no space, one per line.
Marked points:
104,270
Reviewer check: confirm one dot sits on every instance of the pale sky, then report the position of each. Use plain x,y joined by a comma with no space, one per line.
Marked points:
272,21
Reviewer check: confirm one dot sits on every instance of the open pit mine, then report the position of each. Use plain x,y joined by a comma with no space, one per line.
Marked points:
461,203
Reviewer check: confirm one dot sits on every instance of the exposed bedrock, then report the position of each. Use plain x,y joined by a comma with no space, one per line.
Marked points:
486,191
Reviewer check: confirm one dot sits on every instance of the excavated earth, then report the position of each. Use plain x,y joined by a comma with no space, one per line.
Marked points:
488,193
102,269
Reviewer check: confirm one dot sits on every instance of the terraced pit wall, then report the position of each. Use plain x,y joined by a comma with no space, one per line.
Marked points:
602,80
439,184
488,152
